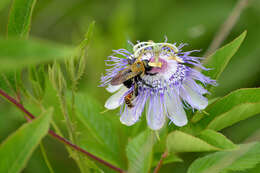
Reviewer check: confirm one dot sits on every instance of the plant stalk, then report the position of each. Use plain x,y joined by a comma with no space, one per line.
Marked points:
159,165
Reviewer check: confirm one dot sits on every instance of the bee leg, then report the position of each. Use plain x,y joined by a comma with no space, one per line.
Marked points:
128,83
136,90
141,80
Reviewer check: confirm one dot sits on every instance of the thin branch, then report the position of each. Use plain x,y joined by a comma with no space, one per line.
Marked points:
227,26
59,138
159,165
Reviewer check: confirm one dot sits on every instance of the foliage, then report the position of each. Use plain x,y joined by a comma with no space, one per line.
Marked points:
58,82
16,149
30,51
244,157
139,152
20,18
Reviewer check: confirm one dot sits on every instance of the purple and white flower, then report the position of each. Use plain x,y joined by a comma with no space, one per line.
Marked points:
166,90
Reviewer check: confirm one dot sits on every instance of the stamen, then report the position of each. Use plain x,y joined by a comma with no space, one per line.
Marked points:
155,64
176,58
173,47
142,49
141,44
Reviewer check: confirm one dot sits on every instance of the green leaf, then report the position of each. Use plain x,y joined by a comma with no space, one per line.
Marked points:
178,141
244,157
171,158
16,150
8,81
98,134
219,60
216,139
234,99
20,18
238,113
17,53
201,114
140,151
88,35
4,3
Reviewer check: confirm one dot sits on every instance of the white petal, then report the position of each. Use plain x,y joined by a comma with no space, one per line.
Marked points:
131,115
196,87
171,69
115,100
172,66
194,99
175,110
128,117
113,88
155,114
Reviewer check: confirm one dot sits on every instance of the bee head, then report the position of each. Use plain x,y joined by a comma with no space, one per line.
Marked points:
146,65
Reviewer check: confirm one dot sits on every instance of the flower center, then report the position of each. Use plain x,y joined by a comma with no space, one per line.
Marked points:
161,69
173,75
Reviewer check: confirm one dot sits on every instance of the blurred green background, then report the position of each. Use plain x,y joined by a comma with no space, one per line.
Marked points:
192,22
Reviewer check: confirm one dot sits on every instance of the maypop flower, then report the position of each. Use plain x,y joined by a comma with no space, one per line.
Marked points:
158,75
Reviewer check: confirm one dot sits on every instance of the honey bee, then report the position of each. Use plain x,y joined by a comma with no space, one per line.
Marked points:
130,77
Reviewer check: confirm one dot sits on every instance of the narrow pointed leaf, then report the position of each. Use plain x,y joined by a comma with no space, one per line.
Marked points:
16,150
17,53
20,18
238,113
242,158
230,101
178,141
216,139
88,35
219,60
139,152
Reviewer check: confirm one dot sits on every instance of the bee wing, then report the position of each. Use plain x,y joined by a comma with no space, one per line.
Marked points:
123,76
120,77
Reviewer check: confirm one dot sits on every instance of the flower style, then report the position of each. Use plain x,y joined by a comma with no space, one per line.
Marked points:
166,85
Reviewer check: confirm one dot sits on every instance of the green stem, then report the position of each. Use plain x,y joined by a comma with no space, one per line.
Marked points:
71,131
70,151
46,158
159,165
73,114
66,116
